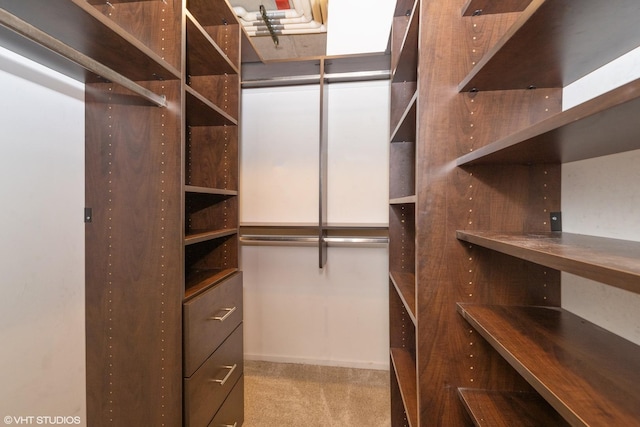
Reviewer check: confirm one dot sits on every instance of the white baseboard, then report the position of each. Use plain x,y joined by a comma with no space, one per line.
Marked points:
358,364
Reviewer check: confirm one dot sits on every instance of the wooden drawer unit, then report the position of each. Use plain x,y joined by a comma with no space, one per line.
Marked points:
231,414
209,386
208,319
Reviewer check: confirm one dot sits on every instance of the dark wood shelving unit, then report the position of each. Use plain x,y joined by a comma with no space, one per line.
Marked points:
612,261
211,206
554,43
403,314
590,376
509,409
162,110
477,143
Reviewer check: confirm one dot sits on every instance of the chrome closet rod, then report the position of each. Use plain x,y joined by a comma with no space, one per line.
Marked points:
36,35
312,240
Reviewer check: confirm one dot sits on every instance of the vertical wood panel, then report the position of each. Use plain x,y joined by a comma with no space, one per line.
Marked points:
133,282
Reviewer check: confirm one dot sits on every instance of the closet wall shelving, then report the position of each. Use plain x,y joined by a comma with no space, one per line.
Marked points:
478,336
162,95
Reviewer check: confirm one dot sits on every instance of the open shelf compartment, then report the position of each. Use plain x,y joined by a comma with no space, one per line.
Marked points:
555,42
612,261
590,376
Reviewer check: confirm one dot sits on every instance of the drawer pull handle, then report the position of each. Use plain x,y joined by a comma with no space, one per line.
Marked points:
226,377
229,425
223,318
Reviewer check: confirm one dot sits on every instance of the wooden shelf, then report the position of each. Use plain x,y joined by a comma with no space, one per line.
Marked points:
554,43
200,280
203,236
204,56
78,25
405,284
202,112
207,190
209,12
405,369
405,130
612,261
403,200
405,65
509,409
590,376
487,7
604,125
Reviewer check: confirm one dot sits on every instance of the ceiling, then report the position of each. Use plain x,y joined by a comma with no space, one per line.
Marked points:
290,46
337,27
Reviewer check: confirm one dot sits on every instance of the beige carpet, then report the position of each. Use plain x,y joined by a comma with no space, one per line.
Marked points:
282,395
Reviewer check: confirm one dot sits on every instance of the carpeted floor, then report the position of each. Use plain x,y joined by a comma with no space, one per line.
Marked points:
283,395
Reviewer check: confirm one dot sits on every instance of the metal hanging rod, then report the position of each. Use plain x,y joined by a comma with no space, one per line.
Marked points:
32,33
276,240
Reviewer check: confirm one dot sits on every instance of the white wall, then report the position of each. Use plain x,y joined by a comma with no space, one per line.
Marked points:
294,311
42,360
601,197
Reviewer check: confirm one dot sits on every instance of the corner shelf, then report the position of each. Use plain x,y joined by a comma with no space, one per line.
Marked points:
604,125
554,43
612,261
590,376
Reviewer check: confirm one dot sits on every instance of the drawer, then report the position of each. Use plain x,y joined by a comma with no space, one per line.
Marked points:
209,386
208,319
231,414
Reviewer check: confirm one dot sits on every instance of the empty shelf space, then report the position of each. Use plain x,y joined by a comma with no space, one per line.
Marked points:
405,284
405,27
202,112
604,125
79,26
205,235
204,56
405,124
590,376
209,12
405,369
200,280
612,261
207,190
509,409
554,43
486,7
